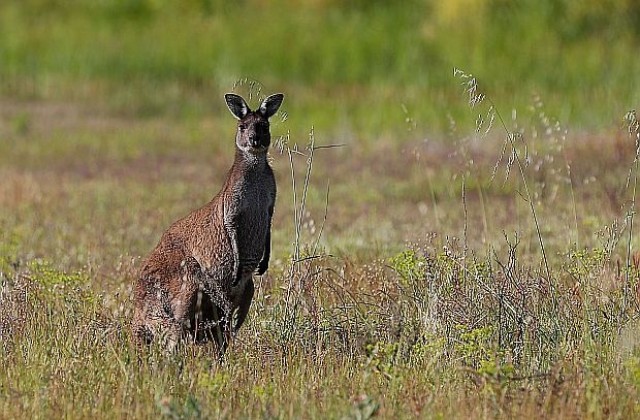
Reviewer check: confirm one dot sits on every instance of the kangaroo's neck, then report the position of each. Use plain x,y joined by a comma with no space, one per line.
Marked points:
248,161
244,166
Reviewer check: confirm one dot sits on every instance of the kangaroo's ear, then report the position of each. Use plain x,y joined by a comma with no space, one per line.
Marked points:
270,105
237,105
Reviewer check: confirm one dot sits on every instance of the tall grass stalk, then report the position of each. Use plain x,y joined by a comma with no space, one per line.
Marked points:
634,131
299,209
324,220
574,204
296,274
475,98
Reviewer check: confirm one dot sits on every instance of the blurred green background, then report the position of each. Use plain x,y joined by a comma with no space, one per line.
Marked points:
363,65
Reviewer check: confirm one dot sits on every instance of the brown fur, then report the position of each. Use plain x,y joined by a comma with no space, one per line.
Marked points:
197,283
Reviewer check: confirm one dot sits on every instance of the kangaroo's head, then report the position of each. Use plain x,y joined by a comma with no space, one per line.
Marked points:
253,134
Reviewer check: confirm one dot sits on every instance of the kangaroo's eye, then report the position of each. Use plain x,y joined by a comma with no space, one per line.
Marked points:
243,127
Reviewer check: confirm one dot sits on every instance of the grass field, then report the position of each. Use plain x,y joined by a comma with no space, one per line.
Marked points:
453,255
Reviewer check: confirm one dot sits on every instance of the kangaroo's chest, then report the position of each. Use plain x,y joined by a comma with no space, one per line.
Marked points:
254,200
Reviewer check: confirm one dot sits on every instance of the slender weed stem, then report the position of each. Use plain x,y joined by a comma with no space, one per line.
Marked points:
475,98
634,130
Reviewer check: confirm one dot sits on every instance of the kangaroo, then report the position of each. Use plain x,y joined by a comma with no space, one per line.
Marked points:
197,283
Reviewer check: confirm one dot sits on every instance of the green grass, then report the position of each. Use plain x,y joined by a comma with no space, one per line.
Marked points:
422,303
351,65
428,296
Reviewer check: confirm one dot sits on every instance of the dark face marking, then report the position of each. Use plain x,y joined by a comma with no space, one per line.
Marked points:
253,133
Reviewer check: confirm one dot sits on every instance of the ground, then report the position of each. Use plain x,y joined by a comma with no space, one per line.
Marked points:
407,276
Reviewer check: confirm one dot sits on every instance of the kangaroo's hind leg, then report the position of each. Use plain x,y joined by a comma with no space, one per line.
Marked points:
154,319
233,319
221,332
211,323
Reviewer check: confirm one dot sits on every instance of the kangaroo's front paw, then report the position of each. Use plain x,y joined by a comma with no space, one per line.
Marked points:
262,267
236,280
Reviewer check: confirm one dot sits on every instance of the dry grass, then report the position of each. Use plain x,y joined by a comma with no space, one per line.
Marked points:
423,298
